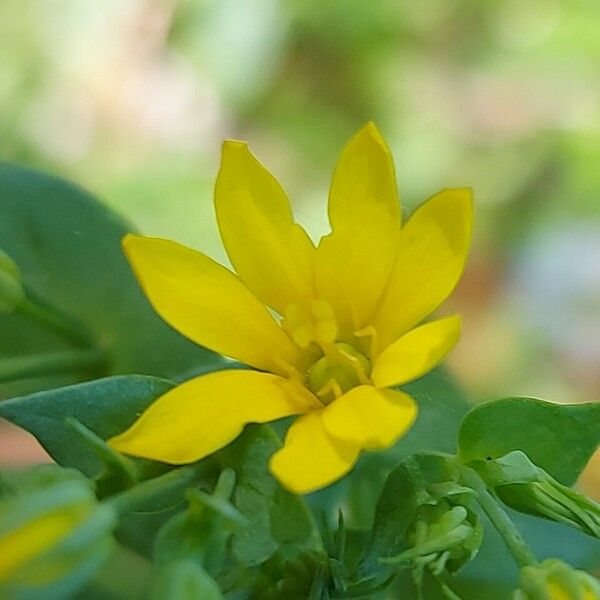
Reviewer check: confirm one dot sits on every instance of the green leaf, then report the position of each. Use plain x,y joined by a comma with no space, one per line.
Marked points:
67,247
200,532
105,406
277,520
559,438
184,580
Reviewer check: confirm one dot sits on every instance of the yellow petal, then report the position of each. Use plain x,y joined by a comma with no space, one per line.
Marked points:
369,417
204,414
29,540
207,303
311,458
416,352
432,251
353,263
271,254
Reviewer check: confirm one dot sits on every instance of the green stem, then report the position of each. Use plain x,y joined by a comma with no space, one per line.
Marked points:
144,494
52,363
60,323
515,543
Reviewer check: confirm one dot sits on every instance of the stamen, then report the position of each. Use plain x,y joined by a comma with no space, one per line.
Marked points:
312,323
332,386
357,366
290,370
369,332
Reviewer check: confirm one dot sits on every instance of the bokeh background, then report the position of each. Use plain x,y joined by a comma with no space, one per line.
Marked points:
131,99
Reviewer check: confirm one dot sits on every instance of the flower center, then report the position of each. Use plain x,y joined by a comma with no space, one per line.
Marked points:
342,368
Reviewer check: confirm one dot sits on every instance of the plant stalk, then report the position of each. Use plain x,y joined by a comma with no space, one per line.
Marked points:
52,363
511,536
144,493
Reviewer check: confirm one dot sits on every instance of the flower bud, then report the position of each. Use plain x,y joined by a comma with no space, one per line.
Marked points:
11,286
525,487
444,537
53,534
556,580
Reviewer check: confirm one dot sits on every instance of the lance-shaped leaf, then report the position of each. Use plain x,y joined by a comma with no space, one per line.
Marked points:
559,438
105,406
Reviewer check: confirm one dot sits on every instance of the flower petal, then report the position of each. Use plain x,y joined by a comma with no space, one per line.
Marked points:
353,263
432,252
311,458
416,352
204,414
207,303
369,417
271,254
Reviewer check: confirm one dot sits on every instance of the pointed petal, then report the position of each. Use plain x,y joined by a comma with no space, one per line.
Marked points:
432,252
204,414
371,418
311,458
416,352
353,263
208,304
271,254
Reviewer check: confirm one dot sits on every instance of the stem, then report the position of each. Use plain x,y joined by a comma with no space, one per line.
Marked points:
60,323
515,543
146,492
52,363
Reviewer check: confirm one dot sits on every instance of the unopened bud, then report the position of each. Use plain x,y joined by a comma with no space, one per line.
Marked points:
525,487
52,530
443,536
556,580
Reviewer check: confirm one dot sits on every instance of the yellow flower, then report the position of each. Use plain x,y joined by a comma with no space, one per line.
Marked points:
329,329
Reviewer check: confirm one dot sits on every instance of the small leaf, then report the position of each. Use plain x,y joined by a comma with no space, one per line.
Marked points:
275,517
200,532
105,406
559,438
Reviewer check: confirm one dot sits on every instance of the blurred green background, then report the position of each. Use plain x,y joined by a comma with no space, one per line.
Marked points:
131,99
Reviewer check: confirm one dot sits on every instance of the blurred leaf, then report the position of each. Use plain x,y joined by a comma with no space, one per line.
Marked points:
200,532
105,406
277,520
559,438
67,246
124,576
184,580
